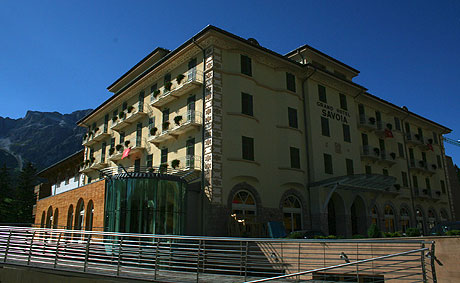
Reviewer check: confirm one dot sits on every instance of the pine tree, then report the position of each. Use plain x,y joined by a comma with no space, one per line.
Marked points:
6,196
24,194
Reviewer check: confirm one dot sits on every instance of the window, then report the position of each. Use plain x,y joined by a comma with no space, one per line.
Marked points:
139,134
167,78
164,156
247,148
346,133
124,106
427,184
389,219
404,179
397,124
368,169
343,101
295,157
290,82
153,88
385,172
246,65
435,138
70,217
322,94
292,116
292,214
443,187
122,137
115,115
404,219
401,149
419,220
325,127
246,104
438,159
328,164
149,160
104,145
350,169
374,216
244,206
431,219
415,182
137,165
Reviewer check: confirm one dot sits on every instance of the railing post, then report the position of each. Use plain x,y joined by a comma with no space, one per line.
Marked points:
57,248
433,260
422,260
119,257
298,263
198,262
156,258
30,248
87,253
7,246
246,261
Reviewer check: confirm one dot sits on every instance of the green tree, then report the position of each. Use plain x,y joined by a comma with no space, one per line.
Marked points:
6,196
24,194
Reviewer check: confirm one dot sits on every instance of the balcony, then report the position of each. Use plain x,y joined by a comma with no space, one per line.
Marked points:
133,114
136,145
186,167
436,195
370,153
366,123
383,129
93,166
388,159
421,166
191,80
101,134
120,122
422,193
414,139
182,124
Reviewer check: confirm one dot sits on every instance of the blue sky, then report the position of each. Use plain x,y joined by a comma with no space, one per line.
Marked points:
61,55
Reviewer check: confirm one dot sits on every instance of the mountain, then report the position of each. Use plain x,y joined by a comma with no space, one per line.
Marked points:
42,138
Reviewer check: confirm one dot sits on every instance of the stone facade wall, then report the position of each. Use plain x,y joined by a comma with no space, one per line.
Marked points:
94,191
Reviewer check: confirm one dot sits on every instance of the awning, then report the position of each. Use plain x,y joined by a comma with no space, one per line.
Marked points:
362,182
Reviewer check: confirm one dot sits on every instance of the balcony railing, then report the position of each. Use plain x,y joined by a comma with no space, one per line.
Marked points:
92,137
191,79
181,123
185,166
129,116
136,146
370,153
387,158
414,139
421,166
366,123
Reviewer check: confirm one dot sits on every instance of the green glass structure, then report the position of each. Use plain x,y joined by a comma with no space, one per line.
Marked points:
147,204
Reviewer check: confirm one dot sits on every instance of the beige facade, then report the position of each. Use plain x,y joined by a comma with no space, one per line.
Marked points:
286,138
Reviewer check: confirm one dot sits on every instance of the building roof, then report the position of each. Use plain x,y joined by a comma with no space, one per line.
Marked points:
306,46
60,162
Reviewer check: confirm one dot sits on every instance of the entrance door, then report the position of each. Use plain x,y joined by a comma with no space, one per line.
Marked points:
191,109
331,218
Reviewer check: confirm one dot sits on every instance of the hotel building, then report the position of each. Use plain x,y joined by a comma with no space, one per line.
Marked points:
222,135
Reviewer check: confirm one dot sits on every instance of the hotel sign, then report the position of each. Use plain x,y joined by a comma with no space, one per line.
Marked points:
329,111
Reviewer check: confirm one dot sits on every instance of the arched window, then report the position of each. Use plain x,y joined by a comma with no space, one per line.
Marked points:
292,214
389,219
444,216
404,219
431,219
89,216
49,217
70,217
419,220
79,214
244,206
55,218
374,216
42,223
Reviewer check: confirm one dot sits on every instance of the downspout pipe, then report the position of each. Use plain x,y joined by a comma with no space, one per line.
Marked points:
202,139
409,176
305,132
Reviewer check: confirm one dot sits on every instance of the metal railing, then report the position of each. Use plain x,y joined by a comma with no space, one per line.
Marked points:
210,259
